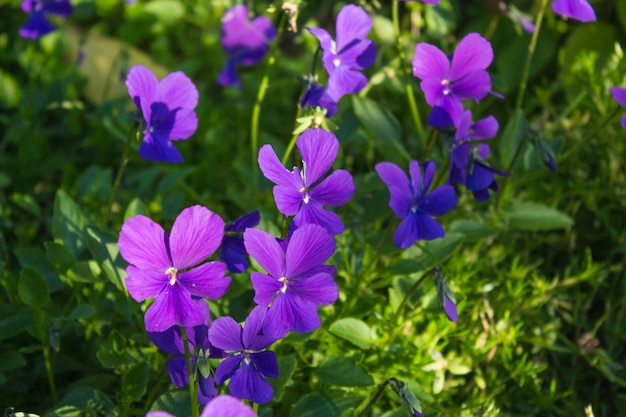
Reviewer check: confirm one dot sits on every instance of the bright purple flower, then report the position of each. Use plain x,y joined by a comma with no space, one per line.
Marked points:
445,84
297,281
316,95
246,42
168,270
579,10
304,193
37,24
251,364
171,341
227,406
232,250
411,202
619,95
446,297
349,54
167,108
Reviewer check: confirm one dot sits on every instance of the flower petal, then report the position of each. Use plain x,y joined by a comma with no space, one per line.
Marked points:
396,179
319,289
334,190
313,213
309,246
143,284
473,53
206,280
177,91
475,85
406,232
247,383
233,253
240,224
197,232
428,228
227,406
227,368
157,150
430,63
265,249
318,149
486,128
619,95
177,368
353,24
273,169
439,202
174,306
450,309
416,177
170,341
252,336
143,243
288,199
265,288
225,334
265,363
345,80
579,10
142,85
58,7
185,124
359,54
323,36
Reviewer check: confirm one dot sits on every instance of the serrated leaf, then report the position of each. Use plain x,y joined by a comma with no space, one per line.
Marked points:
68,224
343,372
354,331
534,216
32,288
326,404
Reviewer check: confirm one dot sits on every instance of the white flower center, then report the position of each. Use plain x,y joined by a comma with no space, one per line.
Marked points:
336,62
284,281
173,273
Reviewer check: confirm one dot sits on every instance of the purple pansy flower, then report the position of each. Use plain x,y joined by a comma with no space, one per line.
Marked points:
297,281
446,84
315,95
411,202
251,364
246,42
167,108
171,341
304,193
619,95
221,406
167,268
232,250
37,24
349,54
579,10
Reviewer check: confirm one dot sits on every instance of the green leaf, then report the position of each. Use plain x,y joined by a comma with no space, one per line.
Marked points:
103,247
135,382
166,11
440,20
32,288
136,206
68,224
28,203
599,37
354,331
85,272
37,260
472,230
175,402
534,216
14,325
326,404
11,360
82,312
110,360
343,372
513,133
438,250
117,342
286,368
60,257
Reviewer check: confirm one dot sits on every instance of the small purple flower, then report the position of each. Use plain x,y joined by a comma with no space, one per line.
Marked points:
304,193
446,84
315,95
232,250
349,54
167,108
167,269
411,202
251,364
446,297
579,10
227,406
171,341
297,281
619,95
517,17
37,24
246,42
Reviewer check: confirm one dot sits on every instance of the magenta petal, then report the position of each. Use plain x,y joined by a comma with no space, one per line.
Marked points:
323,36
473,53
143,284
318,149
36,26
288,199
227,406
142,84
433,90
463,125
579,10
430,63
143,244
353,24
309,246
265,288
406,233
177,91
619,95
185,124
438,202
475,85
313,213
400,201
197,232
335,190
227,368
225,334
265,249
318,289
273,169
174,306
279,318
206,280
248,384
623,122
452,105
486,128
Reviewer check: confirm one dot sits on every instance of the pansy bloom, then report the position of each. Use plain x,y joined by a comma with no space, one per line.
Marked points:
411,201
167,108
619,95
349,53
446,84
297,281
232,250
221,406
316,95
37,24
445,296
168,269
251,363
303,193
579,10
246,42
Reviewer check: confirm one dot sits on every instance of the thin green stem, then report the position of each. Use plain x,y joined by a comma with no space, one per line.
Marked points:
120,172
48,365
407,81
190,375
258,104
408,295
289,149
373,401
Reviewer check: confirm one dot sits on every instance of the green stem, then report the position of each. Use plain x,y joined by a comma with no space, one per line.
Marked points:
48,364
192,383
120,172
407,82
373,401
289,149
408,295
256,111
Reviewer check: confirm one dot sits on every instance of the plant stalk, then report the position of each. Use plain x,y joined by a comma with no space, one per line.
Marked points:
48,365
120,172
190,375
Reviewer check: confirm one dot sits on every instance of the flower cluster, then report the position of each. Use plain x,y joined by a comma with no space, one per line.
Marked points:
37,24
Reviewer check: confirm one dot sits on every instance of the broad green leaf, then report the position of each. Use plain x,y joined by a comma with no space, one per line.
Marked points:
68,224
512,136
32,288
87,271
534,216
82,312
38,261
117,342
28,203
343,372
110,360
438,250
14,325
286,368
171,180
354,331
441,20
326,404
11,360
472,229
135,382
599,37
103,247
166,11
135,207
175,402
60,257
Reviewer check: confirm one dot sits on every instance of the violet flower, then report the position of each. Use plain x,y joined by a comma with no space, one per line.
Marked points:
167,108
411,201
619,95
37,24
297,281
171,341
251,364
304,193
349,54
246,42
221,406
315,95
579,10
446,84
232,250
167,268
445,296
